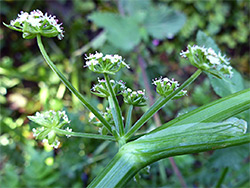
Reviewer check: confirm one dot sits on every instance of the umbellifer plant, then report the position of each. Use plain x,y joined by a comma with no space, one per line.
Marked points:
206,128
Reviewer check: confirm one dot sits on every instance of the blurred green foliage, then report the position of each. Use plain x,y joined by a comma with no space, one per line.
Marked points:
160,30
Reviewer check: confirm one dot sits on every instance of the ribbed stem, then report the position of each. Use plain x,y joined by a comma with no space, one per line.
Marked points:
70,87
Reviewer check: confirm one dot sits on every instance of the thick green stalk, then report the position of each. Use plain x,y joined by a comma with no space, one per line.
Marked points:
128,119
161,101
70,87
85,135
179,136
115,108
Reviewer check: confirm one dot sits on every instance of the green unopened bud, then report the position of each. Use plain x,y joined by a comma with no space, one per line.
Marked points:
34,23
207,60
109,64
165,87
135,98
101,89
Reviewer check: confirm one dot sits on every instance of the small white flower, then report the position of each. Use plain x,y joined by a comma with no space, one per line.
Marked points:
55,144
98,55
69,130
107,57
213,60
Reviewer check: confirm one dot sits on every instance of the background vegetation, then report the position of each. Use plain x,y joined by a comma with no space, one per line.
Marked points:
150,38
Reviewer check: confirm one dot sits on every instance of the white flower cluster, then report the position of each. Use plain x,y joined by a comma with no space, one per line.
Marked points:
50,122
165,87
135,98
104,64
207,59
51,115
165,81
38,20
101,89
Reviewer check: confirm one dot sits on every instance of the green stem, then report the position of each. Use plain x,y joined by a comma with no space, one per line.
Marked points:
128,119
161,101
222,177
115,108
70,87
85,135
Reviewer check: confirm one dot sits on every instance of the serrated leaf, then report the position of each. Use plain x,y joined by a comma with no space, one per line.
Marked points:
122,32
162,22
203,40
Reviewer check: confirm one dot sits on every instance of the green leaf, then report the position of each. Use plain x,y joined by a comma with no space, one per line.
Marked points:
230,86
203,40
122,32
162,22
132,7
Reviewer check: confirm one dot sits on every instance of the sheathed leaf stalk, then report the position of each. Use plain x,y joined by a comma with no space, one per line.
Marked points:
36,23
165,87
50,122
109,64
208,60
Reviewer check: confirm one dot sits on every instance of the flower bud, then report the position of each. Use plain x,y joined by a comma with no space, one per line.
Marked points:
109,64
207,60
34,23
135,98
165,87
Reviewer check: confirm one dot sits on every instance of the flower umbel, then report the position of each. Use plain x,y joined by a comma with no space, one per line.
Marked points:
34,23
207,60
101,89
165,87
135,98
109,64
51,122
